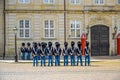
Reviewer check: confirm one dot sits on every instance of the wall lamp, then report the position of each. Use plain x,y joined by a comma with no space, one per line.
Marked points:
115,32
87,33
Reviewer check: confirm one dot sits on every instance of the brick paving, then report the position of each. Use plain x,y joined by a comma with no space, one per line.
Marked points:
104,70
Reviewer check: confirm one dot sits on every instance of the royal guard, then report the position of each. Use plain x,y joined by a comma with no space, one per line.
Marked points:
72,53
65,53
43,54
87,54
46,56
38,50
50,52
23,51
28,50
79,53
57,53
34,54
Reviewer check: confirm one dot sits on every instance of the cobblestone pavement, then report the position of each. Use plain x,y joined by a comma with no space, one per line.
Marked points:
104,70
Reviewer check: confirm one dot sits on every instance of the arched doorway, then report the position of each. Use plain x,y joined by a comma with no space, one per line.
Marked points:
99,40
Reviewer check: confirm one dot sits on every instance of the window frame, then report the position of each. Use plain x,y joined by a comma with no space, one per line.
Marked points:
48,2
49,28
75,2
117,1
99,2
24,2
75,28
24,28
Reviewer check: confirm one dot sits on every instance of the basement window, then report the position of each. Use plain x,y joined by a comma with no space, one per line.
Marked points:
118,1
48,1
99,2
24,1
75,1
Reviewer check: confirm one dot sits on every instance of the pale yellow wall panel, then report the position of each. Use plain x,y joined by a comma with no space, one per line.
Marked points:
88,2
110,2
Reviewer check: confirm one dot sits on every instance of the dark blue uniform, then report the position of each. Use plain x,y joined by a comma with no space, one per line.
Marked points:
72,54
34,54
87,54
23,51
28,50
50,52
43,54
57,52
65,54
50,56
79,54
38,51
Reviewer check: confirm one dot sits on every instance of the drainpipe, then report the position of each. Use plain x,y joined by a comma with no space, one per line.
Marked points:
4,30
64,20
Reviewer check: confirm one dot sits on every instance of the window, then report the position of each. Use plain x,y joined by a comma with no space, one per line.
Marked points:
49,31
24,1
24,28
75,29
49,1
118,1
75,1
99,1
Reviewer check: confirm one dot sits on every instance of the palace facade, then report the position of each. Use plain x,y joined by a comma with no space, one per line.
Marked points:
60,20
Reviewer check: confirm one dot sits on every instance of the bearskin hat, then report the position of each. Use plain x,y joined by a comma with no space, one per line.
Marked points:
28,44
49,43
79,43
66,43
23,44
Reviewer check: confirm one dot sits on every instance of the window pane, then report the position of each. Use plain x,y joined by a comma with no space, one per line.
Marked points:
51,1
99,1
21,24
46,33
26,23
46,1
46,23
24,1
27,1
72,32
118,1
27,33
77,25
72,1
78,33
72,25
21,1
96,1
77,1
21,33
51,33
51,24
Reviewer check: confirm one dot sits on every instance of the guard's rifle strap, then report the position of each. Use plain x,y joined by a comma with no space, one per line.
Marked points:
34,52
79,52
